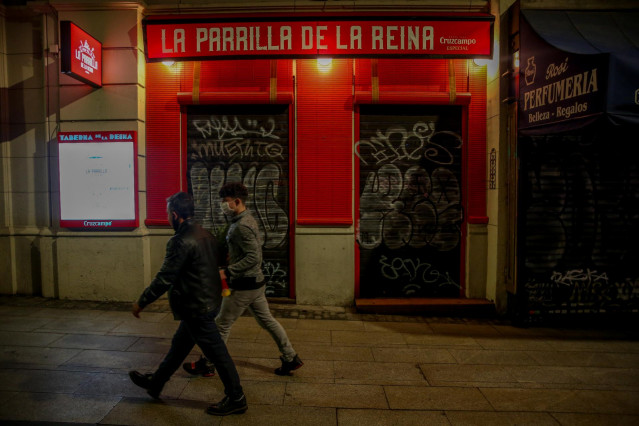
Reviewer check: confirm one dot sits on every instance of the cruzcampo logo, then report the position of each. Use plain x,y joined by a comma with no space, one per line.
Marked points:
85,54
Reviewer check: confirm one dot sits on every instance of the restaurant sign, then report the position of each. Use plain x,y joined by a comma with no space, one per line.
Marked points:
81,54
557,86
373,36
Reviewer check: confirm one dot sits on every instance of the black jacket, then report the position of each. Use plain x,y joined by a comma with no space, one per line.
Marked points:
189,273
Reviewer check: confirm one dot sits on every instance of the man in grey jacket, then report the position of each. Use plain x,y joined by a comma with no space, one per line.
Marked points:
246,281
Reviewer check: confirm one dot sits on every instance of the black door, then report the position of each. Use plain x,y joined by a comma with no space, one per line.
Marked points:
248,144
410,201
579,222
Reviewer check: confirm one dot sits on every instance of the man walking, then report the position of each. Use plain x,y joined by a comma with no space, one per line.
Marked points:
246,281
190,275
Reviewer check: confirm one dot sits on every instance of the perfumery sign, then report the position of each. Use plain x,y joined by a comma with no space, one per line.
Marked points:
557,86
81,54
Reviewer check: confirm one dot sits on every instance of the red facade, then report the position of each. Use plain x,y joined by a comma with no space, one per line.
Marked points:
324,124
208,120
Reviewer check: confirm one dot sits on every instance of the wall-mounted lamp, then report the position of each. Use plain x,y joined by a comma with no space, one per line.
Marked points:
492,70
168,63
324,64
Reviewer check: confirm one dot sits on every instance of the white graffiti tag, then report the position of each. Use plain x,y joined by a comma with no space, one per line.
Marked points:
398,144
586,285
413,270
415,209
401,203
225,129
263,188
582,287
229,140
274,274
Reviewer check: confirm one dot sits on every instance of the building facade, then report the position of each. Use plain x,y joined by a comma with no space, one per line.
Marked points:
378,166
367,172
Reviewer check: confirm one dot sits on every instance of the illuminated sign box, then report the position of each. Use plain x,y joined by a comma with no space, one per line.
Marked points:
391,35
98,180
81,54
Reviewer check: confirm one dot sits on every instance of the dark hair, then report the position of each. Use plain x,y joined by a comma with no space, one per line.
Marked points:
234,190
182,204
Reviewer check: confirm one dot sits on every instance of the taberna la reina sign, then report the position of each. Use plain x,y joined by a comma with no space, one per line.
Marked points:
98,180
81,54
345,35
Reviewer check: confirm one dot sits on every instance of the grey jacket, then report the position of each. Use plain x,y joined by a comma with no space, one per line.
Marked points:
245,248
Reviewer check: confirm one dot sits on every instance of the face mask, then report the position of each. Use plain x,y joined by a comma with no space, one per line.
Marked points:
226,208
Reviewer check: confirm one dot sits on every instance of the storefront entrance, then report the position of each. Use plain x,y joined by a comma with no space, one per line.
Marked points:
283,114
410,201
248,144
578,174
579,219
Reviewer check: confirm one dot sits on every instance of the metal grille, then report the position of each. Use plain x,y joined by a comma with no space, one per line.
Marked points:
247,144
410,203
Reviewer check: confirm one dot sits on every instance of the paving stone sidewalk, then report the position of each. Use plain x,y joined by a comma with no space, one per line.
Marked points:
280,310
66,362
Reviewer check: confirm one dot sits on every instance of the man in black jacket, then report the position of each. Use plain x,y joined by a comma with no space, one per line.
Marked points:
190,275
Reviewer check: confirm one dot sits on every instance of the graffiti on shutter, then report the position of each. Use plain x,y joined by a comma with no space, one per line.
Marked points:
410,201
247,144
579,223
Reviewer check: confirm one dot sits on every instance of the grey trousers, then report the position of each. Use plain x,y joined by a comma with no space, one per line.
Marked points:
234,305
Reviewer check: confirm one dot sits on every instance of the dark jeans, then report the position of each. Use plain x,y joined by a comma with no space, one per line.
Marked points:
200,330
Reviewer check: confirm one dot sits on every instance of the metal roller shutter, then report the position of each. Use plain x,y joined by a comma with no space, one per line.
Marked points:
248,144
410,201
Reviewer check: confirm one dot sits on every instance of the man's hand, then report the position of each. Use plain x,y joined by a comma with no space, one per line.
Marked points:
135,310
222,274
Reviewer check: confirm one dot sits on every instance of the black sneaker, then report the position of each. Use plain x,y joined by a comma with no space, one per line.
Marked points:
228,406
288,366
201,367
145,381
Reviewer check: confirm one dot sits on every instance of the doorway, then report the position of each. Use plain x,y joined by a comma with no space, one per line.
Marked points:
409,229
248,144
